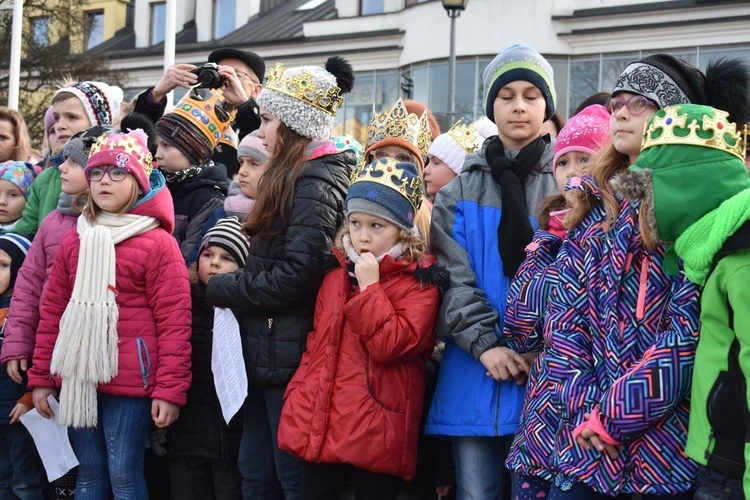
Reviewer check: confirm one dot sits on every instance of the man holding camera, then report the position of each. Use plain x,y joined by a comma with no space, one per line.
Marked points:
242,73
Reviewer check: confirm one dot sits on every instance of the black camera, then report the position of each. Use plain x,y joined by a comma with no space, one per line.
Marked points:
208,76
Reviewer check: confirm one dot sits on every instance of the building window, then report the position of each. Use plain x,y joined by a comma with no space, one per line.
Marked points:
94,29
409,3
224,16
158,22
40,31
368,7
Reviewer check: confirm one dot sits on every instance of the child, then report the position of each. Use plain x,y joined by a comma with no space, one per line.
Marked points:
447,154
16,178
374,330
115,321
243,191
618,321
292,226
482,221
23,320
15,143
696,198
203,449
76,107
21,471
406,137
186,138
576,148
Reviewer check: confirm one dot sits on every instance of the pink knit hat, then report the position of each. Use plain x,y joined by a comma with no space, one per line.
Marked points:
586,132
49,120
128,151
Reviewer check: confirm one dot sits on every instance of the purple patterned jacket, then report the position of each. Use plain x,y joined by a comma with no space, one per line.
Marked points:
621,337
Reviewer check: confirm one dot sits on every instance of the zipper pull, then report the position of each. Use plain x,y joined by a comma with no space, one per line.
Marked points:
643,279
270,324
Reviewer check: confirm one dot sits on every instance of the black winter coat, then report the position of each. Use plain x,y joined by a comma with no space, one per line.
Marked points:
201,430
275,294
194,200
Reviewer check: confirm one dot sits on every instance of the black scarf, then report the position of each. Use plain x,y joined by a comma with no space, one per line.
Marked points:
514,231
183,175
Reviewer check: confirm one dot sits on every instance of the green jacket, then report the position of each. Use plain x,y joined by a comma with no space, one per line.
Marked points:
717,437
43,197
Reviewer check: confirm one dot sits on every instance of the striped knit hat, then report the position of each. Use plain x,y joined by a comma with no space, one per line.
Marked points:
227,234
514,63
17,247
100,101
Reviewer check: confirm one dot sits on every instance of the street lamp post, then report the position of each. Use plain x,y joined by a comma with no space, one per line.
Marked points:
453,8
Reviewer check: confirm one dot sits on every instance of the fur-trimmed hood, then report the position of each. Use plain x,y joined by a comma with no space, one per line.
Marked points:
638,186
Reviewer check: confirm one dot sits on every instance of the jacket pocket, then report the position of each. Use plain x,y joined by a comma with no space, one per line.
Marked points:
388,386
144,361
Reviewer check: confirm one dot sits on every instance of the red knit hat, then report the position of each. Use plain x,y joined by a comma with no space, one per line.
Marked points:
586,132
128,151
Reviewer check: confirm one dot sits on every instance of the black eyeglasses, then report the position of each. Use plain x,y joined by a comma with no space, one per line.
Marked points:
636,105
116,174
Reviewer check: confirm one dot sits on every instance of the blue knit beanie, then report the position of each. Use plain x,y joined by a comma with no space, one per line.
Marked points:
388,189
514,63
17,247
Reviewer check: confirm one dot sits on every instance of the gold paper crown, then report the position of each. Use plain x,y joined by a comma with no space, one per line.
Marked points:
675,129
386,172
303,86
398,123
208,115
467,136
127,144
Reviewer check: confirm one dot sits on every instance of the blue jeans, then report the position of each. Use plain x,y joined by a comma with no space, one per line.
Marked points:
480,468
713,485
21,470
111,454
267,472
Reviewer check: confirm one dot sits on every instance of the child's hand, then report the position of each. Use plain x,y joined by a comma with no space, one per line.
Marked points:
367,270
505,364
14,367
17,411
40,401
589,438
164,412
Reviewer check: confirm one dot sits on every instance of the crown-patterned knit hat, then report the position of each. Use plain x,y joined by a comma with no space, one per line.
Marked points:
101,102
227,234
453,146
17,247
252,147
398,127
196,125
514,63
586,132
128,151
306,98
388,189
20,173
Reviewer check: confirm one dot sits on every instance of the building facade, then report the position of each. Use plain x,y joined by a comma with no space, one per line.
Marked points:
400,48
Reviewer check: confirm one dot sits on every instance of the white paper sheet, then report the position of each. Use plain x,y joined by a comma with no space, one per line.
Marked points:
228,364
51,440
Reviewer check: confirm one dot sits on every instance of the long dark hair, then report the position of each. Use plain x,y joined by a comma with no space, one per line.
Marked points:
276,185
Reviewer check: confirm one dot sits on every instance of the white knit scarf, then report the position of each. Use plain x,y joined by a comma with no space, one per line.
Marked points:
86,351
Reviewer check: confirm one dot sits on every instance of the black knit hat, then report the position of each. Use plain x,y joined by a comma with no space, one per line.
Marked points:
227,234
665,80
17,247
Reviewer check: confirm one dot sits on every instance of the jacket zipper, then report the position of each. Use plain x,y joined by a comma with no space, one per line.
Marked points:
271,347
643,285
144,361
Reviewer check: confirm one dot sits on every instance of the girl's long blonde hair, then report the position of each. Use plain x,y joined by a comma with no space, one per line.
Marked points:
609,163
415,247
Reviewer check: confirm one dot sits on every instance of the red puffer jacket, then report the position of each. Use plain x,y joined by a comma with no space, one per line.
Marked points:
357,395
154,301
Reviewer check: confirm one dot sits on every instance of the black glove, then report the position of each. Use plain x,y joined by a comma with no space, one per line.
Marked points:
157,439
494,149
